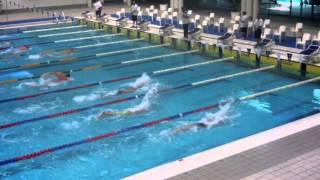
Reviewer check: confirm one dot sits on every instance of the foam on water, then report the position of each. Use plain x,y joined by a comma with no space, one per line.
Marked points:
34,56
71,125
39,108
224,114
141,81
147,100
142,84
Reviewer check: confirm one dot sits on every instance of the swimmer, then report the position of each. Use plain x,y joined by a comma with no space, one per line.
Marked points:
210,120
204,123
21,49
126,112
51,79
55,53
141,82
143,107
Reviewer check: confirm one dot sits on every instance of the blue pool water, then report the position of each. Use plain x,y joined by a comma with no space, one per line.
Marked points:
133,151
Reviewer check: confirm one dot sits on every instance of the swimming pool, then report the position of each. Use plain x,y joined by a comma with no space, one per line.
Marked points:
67,113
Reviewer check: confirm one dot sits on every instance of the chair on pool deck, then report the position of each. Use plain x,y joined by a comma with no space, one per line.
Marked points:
281,33
266,23
211,19
197,19
298,30
219,24
316,39
311,54
196,33
166,30
305,39
263,46
227,38
266,33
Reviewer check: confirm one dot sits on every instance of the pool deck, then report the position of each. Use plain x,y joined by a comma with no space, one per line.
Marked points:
291,151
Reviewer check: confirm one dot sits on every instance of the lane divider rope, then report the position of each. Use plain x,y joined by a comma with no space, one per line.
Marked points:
21,38
53,29
73,111
71,60
109,43
100,66
69,33
86,38
152,123
154,73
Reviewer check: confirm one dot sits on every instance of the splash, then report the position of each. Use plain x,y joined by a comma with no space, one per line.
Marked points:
141,84
224,115
34,57
147,101
141,81
39,108
70,125
90,97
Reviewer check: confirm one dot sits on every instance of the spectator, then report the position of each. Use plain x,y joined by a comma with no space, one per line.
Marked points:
98,8
185,22
244,24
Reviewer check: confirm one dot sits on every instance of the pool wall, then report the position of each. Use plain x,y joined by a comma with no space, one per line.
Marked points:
212,50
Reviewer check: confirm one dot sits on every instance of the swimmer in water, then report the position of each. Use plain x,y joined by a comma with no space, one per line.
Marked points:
210,120
141,82
51,79
55,53
204,123
21,49
144,106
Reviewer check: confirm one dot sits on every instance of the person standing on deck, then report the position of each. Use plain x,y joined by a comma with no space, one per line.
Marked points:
258,23
185,22
98,8
244,24
134,14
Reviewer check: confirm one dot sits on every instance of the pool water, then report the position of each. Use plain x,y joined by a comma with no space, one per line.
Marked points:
133,151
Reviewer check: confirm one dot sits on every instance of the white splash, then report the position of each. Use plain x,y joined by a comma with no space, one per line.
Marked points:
70,125
141,84
147,100
90,97
39,108
34,57
141,81
220,117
